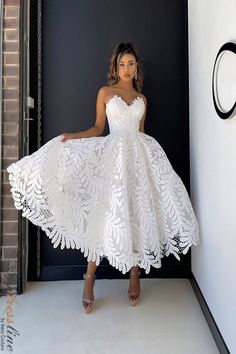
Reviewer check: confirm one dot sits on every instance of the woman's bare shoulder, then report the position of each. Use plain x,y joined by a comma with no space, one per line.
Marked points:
106,92
144,98
105,89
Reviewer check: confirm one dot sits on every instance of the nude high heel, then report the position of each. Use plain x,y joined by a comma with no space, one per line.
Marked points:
134,295
88,302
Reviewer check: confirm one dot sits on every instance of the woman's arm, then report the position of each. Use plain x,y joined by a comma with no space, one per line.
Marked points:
99,125
141,126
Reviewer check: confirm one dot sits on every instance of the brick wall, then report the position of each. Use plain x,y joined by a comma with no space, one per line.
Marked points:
10,141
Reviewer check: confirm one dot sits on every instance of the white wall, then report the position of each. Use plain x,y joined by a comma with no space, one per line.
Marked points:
213,165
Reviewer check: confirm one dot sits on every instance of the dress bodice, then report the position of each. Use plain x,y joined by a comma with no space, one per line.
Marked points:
123,117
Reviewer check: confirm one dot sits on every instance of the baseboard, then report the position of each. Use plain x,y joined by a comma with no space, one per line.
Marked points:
223,349
105,271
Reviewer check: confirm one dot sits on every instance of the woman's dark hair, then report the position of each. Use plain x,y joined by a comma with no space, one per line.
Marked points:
121,49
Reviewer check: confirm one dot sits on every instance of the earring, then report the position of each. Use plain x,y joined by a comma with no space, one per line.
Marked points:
136,75
117,75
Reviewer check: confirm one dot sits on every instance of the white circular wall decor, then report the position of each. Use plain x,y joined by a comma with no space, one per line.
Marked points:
224,81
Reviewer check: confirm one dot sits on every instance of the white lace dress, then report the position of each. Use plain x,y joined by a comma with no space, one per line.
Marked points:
115,196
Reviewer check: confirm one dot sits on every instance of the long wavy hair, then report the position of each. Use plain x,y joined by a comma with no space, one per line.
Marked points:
121,49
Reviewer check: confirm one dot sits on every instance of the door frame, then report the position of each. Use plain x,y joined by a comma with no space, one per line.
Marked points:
24,128
23,258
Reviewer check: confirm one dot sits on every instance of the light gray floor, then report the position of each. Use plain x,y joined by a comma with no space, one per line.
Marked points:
167,319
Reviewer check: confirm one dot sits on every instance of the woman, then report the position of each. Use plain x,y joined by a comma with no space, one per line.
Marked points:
114,196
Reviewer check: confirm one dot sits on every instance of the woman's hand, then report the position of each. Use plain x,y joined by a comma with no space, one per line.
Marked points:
67,136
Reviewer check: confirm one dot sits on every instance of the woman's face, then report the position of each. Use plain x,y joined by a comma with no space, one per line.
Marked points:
127,67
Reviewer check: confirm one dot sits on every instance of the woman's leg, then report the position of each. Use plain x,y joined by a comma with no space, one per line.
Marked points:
134,285
88,296
91,267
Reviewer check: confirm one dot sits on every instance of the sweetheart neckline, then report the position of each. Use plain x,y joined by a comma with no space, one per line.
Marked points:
128,105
